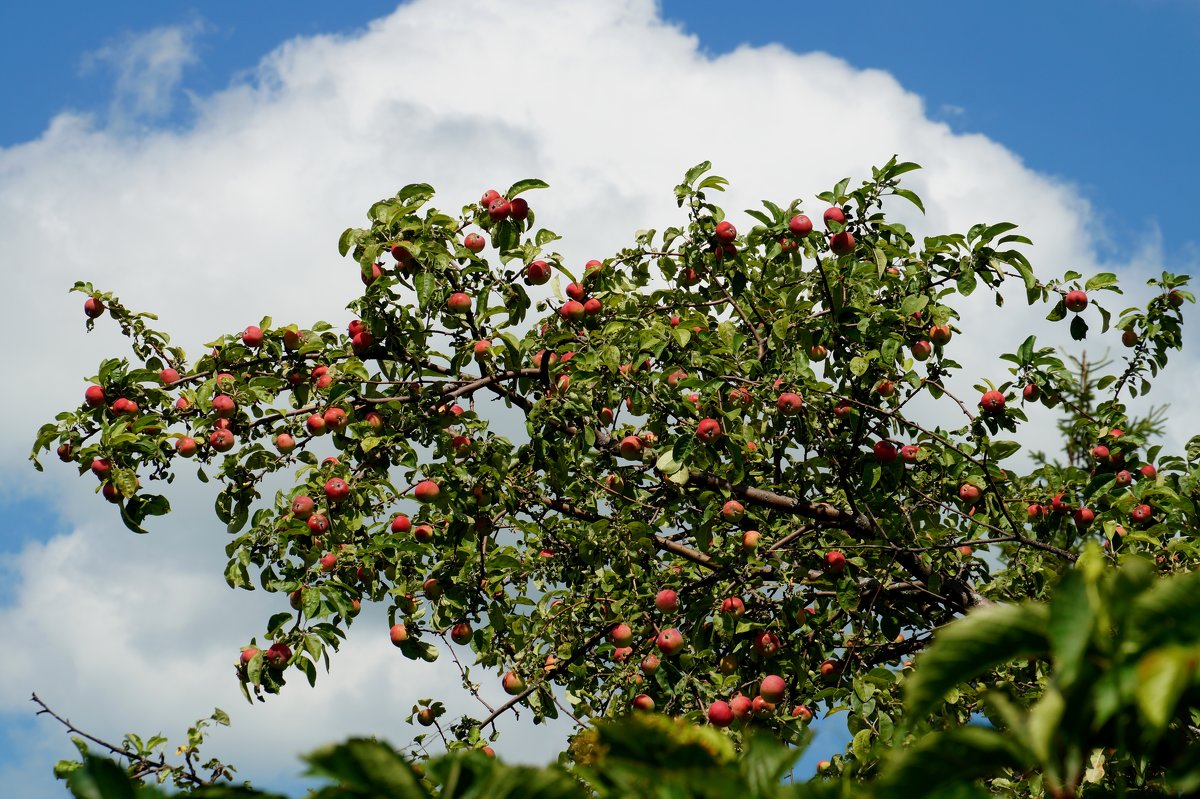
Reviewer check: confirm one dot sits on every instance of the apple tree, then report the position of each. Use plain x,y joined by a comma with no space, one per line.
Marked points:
737,477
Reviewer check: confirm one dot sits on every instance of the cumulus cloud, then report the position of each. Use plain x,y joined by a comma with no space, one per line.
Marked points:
237,216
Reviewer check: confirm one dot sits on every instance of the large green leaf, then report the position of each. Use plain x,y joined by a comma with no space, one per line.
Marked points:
970,646
372,767
942,761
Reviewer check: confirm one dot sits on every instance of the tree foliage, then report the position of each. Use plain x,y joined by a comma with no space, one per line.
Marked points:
738,478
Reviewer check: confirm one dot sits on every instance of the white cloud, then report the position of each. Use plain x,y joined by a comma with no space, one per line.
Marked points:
237,217
147,70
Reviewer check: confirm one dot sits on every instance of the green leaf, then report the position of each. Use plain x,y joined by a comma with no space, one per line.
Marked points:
528,184
911,197
426,285
1102,280
766,763
1058,312
1072,619
964,649
1163,674
1079,328
371,767
1001,449
101,778
696,171
943,760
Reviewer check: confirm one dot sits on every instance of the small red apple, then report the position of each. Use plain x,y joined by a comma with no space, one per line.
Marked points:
834,214
669,641
842,243
733,511
513,683
969,494
94,396
285,443
885,451
800,225
1141,514
101,467
474,242
593,306
643,702
518,209
458,303
666,600
835,561
221,440
708,430
908,453
426,491
1031,392
789,403
398,634
1076,300
772,688
168,375
186,446
575,291
318,523
767,644
725,232
741,706
940,334
93,307
461,633
537,273
922,350
649,664
572,311
992,402
337,490
1148,471
733,606
252,336
720,714
498,209
631,448
315,424
1084,516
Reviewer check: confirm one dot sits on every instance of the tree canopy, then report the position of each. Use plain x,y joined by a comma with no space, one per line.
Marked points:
734,478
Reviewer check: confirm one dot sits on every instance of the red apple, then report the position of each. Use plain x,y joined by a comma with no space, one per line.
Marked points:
969,494
111,492
666,600
772,688
574,291
398,634
800,225
328,561
1141,514
741,706
802,712
315,424
992,402
733,606
885,451
725,232
65,452
643,702
426,491
489,197
842,243
830,668
732,511
498,209
318,523
1148,471
720,714
513,683
186,446
335,418
750,539
1076,300
252,336
818,352
518,209
669,641
168,375
336,490
922,350
474,242
537,273
458,303
621,635
593,306
767,644
908,453
221,440
303,506
94,396
940,334
422,533
835,561
631,448
789,403
1084,516
278,655
1031,392
1101,453
885,388
649,664
834,214
708,430
248,654
461,633
1129,337
285,443
572,311
101,467
93,307
224,406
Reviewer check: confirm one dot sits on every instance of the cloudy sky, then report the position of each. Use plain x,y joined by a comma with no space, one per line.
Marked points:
201,163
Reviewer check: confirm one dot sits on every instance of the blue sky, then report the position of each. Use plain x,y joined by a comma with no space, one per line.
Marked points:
1080,126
